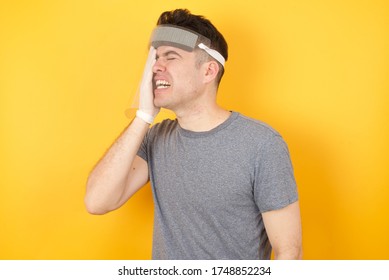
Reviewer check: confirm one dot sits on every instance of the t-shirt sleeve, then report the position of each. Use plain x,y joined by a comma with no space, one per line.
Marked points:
275,185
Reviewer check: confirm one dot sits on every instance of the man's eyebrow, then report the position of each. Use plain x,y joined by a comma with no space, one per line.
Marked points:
169,52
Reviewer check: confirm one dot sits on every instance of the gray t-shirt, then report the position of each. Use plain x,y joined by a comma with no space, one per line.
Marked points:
210,188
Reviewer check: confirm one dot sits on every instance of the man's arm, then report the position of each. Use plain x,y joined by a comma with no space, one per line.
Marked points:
283,227
120,173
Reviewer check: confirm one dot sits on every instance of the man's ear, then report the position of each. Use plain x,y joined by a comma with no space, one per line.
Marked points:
211,71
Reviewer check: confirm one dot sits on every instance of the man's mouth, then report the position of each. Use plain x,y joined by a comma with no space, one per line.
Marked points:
160,84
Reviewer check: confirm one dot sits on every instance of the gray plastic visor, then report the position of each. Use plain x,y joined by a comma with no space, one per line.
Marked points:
188,40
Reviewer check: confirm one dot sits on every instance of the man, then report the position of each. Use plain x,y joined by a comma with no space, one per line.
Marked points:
223,184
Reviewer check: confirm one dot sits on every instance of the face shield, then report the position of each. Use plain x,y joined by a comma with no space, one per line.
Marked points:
182,38
179,37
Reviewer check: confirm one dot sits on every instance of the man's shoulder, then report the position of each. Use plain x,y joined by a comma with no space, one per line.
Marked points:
255,126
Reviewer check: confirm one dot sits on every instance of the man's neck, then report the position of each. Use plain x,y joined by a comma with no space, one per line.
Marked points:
203,118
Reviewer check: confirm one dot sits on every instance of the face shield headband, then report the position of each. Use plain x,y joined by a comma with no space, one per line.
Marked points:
188,40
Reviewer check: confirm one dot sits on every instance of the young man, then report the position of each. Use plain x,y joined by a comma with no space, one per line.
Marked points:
223,184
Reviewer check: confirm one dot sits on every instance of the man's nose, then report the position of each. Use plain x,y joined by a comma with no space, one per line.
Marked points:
158,66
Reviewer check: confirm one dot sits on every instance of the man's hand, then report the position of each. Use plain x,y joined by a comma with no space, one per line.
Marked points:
146,98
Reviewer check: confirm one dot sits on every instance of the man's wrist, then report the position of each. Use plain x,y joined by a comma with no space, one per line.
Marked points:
144,116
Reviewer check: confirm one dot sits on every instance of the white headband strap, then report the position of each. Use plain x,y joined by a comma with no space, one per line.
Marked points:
215,54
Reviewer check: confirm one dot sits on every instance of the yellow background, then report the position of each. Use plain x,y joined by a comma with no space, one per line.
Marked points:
317,71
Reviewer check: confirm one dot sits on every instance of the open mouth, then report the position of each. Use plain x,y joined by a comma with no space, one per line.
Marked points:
160,84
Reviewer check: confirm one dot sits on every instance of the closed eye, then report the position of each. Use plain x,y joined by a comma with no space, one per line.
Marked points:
170,55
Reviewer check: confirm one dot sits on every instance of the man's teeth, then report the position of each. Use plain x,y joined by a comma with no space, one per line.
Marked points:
162,84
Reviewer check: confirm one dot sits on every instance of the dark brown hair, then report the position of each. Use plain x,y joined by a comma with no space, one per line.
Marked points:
201,25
